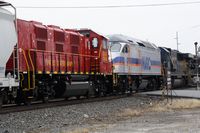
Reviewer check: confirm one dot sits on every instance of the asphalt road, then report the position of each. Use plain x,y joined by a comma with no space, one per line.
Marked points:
178,121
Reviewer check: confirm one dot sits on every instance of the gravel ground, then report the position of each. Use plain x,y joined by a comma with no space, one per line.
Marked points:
179,121
67,118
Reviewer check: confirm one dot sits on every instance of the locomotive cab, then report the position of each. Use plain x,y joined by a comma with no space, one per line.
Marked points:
136,63
119,52
99,52
100,66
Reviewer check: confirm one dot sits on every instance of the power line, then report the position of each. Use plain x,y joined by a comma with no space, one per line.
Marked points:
115,6
196,26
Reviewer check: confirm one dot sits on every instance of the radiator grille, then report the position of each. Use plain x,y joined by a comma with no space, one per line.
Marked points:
59,36
74,49
41,33
74,39
41,45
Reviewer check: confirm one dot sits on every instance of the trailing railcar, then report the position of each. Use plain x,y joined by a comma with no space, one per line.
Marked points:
180,65
137,63
8,82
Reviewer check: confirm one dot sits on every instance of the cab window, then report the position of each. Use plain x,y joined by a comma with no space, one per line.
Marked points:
125,49
95,42
115,46
88,44
105,46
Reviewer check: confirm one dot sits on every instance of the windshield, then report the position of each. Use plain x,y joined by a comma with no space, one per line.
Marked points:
115,46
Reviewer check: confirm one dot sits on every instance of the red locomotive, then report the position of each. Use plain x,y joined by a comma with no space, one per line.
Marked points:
56,62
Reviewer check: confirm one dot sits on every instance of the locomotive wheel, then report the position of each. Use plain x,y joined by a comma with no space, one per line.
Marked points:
87,95
4,97
101,92
19,98
27,102
151,85
1,102
45,99
35,93
121,89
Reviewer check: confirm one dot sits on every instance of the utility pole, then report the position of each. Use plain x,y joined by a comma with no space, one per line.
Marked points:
177,43
197,65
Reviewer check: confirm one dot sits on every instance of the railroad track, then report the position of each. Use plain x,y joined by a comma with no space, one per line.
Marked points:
55,103
59,102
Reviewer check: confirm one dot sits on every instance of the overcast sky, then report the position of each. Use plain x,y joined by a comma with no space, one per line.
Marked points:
157,24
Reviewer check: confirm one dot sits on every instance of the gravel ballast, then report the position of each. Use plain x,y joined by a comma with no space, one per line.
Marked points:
62,119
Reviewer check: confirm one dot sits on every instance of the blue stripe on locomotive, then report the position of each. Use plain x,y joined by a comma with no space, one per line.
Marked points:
121,59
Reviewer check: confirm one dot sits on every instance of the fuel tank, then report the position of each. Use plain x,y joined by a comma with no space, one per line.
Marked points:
81,88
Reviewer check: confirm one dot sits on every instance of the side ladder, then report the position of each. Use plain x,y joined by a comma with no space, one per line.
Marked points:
16,64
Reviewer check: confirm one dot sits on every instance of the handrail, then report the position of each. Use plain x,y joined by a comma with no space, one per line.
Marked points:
21,79
100,50
63,53
29,55
24,54
14,65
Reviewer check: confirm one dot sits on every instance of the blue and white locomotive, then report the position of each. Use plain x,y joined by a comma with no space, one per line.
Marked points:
136,63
